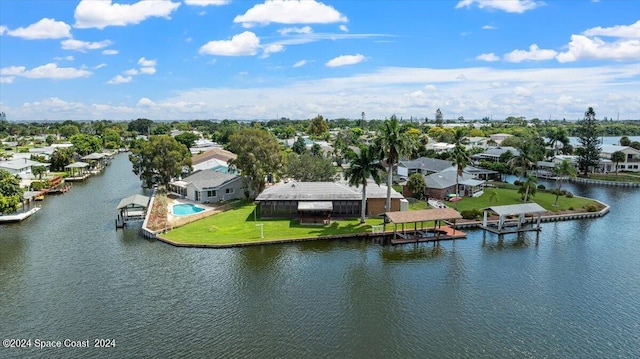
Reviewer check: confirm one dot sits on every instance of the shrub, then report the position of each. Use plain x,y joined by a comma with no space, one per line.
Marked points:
471,213
571,208
591,208
568,194
517,183
541,187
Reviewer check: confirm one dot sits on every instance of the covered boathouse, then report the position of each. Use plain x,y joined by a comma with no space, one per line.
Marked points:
132,208
424,233
506,221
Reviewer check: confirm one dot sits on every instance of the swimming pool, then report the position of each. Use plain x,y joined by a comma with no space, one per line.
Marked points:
186,209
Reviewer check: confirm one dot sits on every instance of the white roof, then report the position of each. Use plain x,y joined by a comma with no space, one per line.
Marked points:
517,209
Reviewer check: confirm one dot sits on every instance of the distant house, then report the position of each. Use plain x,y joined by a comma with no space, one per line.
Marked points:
423,165
215,159
208,186
499,137
632,157
493,154
22,167
442,184
290,200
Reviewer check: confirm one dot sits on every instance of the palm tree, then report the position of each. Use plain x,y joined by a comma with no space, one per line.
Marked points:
557,135
528,187
392,144
564,169
363,166
460,159
524,160
494,197
618,157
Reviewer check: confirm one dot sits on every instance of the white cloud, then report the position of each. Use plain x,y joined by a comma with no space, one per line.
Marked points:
3,29
67,58
145,102
290,12
6,80
99,66
148,70
119,79
300,63
517,6
131,72
44,29
534,54
295,30
521,91
244,44
344,60
206,2
272,49
489,27
102,13
430,87
147,63
490,57
344,28
48,71
110,52
582,47
83,46
630,32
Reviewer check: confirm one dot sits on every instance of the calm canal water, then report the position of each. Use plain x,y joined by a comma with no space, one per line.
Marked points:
66,273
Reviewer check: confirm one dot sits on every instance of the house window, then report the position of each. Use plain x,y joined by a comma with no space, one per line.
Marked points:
211,193
228,190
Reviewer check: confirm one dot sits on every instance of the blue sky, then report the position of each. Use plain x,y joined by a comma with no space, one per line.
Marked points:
190,59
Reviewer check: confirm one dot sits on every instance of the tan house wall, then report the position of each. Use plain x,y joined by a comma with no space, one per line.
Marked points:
375,206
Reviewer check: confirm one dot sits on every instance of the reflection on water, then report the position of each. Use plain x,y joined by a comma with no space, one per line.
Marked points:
569,291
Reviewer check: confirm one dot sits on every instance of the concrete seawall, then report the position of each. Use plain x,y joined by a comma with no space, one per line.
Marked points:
606,183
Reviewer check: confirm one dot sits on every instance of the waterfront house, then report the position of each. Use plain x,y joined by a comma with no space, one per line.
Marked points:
442,184
631,162
207,186
320,199
22,167
423,165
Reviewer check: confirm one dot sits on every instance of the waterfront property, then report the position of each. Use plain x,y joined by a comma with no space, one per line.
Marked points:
509,211
78,171
283,200
442,184
22,167
421,233
631,157
132,208
206,186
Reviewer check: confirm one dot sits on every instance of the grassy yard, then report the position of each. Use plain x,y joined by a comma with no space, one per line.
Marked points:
237,226
506,197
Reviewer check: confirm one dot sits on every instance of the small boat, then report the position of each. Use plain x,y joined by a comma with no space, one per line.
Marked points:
40,197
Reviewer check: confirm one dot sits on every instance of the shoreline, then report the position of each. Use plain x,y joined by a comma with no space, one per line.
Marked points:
378,236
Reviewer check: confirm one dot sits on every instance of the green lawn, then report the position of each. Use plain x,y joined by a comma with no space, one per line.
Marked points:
506,197
237,226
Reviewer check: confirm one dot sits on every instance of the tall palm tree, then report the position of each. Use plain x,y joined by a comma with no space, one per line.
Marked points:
525,160
392,144
362,167
528,187
562,170
460,159
557,135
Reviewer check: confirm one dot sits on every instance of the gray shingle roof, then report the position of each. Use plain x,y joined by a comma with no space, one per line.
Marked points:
427,164
322,191
446,179
209,179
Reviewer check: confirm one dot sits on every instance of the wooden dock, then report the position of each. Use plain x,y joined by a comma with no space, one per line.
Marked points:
442,233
